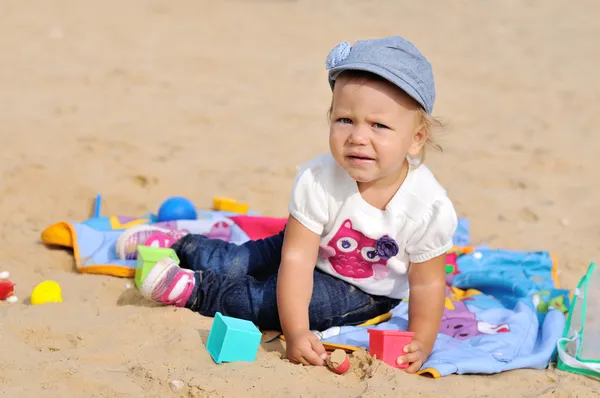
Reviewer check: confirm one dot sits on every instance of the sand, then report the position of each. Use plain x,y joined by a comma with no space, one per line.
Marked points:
141,100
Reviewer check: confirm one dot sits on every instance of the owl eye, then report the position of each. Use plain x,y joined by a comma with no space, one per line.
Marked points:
369,254
347,245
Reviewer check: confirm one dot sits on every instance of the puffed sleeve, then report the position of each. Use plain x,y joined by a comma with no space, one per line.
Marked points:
433,233
309,202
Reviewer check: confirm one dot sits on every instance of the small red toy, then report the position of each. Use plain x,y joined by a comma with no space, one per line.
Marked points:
338,362
7,288
388,345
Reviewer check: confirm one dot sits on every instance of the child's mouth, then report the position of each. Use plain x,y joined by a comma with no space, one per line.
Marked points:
360,158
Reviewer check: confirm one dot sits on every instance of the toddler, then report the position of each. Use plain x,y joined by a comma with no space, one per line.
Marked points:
369,225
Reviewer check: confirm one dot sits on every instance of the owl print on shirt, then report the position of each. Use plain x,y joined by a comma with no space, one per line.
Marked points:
354,255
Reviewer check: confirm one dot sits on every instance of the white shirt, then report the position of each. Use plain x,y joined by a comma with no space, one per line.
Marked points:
357,238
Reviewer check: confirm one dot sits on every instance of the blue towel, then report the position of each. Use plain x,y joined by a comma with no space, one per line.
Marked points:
503,311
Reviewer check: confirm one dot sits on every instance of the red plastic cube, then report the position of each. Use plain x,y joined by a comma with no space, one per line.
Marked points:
388,345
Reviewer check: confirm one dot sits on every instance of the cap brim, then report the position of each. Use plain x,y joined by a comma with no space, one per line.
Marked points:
384,73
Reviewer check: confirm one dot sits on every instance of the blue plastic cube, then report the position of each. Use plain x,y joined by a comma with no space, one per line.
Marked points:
232,339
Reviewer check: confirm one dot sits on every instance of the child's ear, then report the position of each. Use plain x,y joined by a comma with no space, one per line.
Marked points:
419,139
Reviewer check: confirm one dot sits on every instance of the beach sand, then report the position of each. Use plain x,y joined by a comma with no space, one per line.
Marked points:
141,100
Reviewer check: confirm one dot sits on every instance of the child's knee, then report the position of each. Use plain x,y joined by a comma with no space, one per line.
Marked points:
189,244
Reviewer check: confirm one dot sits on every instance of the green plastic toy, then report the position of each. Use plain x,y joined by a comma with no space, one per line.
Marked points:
147,257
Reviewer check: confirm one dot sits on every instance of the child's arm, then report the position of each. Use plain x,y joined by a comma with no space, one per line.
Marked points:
425,309
294,291
427,250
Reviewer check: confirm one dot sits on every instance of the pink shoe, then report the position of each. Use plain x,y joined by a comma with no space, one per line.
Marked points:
147,235
168,284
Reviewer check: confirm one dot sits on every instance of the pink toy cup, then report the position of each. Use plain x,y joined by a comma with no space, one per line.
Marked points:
388,345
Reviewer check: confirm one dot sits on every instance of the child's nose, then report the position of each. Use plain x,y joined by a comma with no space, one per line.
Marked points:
359,135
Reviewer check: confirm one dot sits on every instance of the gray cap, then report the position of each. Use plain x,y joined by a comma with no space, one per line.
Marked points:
394,59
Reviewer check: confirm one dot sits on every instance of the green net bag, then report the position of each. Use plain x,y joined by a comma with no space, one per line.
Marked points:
579,349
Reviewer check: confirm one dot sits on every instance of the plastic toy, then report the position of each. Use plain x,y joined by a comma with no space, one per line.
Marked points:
338,362
451,267
579,348
230,205
7,288
177,208
388,345
232,339
97,205
46,292
147,257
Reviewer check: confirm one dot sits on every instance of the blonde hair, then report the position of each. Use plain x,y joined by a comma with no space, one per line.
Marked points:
432,127
429,123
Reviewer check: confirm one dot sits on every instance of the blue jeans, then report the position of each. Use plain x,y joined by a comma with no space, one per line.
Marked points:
241,281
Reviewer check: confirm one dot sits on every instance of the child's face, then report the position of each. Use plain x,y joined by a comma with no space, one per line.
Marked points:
374,125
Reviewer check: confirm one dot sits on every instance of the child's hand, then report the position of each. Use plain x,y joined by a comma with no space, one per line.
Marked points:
305,348
415,356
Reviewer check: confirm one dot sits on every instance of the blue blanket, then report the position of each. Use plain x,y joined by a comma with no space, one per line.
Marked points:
93,241
503,308
503,311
